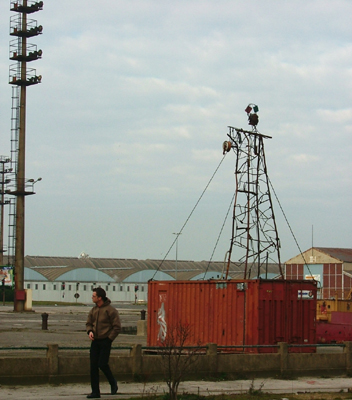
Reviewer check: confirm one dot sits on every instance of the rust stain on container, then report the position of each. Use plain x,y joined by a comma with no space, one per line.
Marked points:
236,312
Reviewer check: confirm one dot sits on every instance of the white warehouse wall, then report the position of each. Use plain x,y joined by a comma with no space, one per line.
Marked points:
116,292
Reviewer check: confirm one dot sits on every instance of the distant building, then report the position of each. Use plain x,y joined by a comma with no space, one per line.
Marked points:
71,279
331,267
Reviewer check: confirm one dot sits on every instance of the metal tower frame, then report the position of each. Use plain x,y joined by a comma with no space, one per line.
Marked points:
254,231
4,201
22,28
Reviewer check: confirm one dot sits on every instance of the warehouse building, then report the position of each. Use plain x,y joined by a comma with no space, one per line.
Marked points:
331,267
71,279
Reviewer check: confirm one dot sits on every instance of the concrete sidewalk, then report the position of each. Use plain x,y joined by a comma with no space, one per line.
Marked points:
204,388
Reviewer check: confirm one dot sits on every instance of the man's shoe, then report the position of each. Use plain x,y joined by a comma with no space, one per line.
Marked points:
93,396
114,388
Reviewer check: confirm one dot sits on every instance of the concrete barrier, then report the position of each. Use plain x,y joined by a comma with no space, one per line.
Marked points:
142,328
60,366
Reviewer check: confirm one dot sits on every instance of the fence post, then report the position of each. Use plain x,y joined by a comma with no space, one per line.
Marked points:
348,357
283,351
142,327
136,354
45,317
52,354
212,357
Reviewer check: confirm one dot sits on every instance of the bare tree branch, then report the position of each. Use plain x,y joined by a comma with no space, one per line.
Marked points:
176,358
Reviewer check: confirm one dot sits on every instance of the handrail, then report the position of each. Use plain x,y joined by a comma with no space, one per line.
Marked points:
164,348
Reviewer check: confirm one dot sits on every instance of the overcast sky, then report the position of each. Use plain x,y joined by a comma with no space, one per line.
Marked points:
126,128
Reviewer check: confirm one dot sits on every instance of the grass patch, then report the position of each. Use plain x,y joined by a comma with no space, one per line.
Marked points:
58,304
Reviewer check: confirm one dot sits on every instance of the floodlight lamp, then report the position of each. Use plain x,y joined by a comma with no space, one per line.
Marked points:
255,109
248,109
253,119
226,147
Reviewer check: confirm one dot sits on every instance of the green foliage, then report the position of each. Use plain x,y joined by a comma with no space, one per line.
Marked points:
57,304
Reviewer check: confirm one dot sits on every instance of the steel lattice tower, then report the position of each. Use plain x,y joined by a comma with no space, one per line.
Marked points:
254,231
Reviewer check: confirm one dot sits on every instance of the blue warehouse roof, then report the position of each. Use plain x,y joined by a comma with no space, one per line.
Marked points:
84,275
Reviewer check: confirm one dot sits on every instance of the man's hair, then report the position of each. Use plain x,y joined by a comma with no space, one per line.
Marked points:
100,292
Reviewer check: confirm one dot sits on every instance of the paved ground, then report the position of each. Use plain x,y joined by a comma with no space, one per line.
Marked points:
66,327
128,390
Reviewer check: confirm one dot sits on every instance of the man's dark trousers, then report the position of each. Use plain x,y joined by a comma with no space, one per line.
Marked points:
99,358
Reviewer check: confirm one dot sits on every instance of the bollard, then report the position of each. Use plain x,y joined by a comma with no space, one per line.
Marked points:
45,317
143,315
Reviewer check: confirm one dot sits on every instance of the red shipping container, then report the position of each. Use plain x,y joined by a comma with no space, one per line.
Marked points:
236,312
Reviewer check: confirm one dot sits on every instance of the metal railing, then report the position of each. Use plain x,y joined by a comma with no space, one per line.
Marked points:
160,349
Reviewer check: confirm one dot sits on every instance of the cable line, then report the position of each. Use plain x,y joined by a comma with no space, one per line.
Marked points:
220,233
180,231
293,235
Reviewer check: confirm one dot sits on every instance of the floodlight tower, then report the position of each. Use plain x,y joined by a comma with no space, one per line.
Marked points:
254,231
22,28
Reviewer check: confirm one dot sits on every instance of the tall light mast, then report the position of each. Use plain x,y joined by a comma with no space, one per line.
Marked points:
22,28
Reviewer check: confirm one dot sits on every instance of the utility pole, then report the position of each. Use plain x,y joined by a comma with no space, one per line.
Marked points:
21,77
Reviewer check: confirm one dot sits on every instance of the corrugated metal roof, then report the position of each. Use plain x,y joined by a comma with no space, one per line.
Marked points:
31,275
85,275
120,269
344,255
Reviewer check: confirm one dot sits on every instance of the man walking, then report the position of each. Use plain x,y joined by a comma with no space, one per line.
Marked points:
103,325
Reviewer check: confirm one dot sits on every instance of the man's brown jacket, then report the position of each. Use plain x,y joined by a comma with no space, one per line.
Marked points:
104,321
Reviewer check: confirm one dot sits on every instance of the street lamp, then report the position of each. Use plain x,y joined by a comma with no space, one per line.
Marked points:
177,234
33,181
30,184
